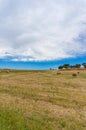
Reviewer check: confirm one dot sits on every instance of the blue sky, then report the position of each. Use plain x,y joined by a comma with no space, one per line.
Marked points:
41,65
42,34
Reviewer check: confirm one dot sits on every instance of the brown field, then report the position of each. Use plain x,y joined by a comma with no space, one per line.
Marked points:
42,100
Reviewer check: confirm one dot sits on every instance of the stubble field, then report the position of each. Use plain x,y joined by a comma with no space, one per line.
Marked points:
42,100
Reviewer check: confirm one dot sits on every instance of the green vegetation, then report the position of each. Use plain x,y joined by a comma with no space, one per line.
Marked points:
42,100
84,64
12,120
68,66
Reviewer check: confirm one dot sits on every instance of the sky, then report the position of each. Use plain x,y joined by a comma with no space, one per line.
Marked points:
42,34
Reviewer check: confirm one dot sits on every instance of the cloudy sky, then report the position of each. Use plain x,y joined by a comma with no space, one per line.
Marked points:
42,30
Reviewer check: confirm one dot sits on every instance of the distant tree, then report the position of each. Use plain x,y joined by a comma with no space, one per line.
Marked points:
77,66
72,66
84,64
66,66
60,67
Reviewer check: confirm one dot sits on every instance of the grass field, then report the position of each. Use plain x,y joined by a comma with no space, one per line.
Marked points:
42,100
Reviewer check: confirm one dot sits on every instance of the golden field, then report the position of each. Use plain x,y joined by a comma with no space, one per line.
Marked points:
42,100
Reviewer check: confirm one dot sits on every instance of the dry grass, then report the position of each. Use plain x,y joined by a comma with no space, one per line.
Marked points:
42,100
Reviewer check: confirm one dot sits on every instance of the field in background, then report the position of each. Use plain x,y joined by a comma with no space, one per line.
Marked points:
42,100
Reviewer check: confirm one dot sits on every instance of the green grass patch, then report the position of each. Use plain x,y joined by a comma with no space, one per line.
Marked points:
12,120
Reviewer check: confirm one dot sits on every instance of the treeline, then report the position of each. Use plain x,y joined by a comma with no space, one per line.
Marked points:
68,66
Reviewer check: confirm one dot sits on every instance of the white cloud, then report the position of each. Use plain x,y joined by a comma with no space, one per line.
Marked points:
42,29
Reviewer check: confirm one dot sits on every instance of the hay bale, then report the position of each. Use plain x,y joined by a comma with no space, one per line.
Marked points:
58,73
78,72
7,71
74,74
